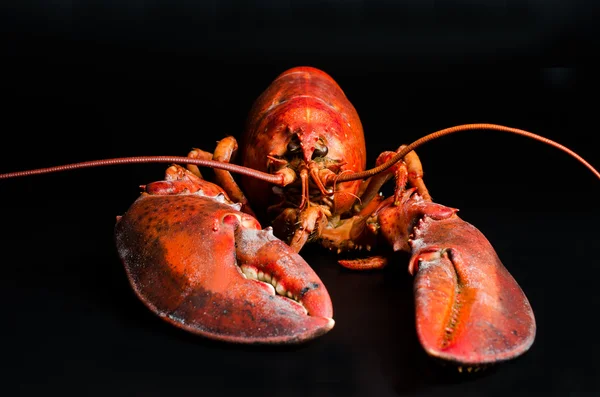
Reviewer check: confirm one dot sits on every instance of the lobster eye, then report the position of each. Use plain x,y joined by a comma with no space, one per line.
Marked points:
294,145
320,150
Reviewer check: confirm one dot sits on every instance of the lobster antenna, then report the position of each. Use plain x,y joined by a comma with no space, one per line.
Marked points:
271,178
459,128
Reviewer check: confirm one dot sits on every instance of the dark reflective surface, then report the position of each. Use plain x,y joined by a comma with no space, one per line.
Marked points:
86,88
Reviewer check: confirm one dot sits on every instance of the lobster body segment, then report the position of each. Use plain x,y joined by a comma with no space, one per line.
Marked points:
194,259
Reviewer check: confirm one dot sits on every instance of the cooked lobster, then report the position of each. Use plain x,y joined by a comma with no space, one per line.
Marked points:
197,256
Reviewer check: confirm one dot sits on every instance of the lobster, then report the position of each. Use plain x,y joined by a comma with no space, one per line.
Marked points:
196,255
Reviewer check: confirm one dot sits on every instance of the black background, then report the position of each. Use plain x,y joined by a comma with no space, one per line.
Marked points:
87,81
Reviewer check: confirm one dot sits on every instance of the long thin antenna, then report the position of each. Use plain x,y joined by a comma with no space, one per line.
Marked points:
465,127
271,178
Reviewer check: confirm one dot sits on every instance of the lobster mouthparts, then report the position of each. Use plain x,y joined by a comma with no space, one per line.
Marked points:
469,308
203,266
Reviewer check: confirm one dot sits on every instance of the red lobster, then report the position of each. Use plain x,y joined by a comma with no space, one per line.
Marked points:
197,257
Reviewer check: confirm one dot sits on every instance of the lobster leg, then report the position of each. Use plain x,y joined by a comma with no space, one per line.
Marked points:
409,170
297,226
198,154
359,231
415,175
310,220
469,309
224,152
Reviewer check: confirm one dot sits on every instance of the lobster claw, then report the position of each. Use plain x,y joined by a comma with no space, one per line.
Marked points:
196,261
469,309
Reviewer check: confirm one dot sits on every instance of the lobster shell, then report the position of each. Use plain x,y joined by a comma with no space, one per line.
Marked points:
307,102
182,254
